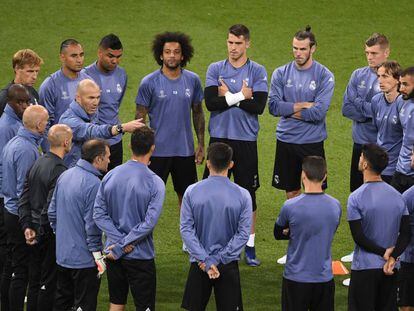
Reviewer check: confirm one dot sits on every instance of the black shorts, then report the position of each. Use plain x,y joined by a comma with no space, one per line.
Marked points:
183,171
402,182
134,274
356,179
405,285
117,153
245,169
288,164
372,290
227,289
76,289
308,296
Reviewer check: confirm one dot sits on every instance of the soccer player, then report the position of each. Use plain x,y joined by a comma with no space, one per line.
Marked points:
300,94
112,81
236,94
33,206
127,208
385,108
406,273
81,118
26,65
18,99
362,86
215,225
379,224
18,157
403,178
169,95
78,240
309,221
59,89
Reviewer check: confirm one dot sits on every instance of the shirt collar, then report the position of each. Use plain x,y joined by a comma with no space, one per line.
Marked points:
33,137
11,113
88,167
79,111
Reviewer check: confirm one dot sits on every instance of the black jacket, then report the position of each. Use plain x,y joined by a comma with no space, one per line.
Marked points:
38,190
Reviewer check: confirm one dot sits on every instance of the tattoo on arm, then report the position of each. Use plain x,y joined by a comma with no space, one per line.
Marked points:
199,122
141,113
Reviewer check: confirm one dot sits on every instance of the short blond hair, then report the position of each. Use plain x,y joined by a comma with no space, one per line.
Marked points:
26,57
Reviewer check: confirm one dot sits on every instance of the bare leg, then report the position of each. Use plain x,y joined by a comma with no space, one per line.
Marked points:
252,230
180,201
114,307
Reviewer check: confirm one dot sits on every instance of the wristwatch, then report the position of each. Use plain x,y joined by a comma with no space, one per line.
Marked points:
119,129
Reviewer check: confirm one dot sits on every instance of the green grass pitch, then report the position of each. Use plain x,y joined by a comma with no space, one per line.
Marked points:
340,27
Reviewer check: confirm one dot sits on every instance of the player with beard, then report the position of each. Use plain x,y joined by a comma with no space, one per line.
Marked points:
405,275
236,94
300,94
59,89
169,95
379,224
404,175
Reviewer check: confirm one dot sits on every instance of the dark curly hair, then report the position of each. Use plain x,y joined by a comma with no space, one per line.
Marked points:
184,40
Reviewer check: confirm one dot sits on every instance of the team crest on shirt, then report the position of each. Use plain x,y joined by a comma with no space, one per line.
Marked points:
312,85
65,95
362,85
187,93
119,88
162,94
289,83
394,119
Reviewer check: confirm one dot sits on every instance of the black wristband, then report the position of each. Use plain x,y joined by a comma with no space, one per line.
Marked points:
119,129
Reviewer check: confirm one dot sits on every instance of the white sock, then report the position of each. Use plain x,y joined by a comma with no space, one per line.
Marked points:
250,242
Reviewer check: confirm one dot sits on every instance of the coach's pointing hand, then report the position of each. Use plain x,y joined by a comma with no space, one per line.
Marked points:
128,127
131,126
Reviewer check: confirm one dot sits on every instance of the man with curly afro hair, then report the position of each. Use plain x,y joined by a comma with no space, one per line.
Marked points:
169,96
